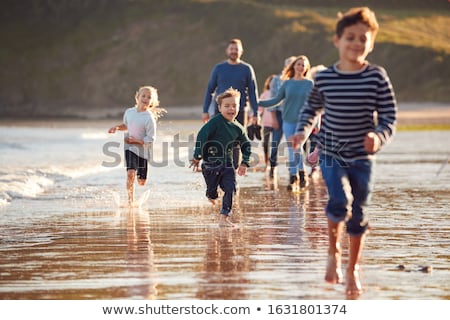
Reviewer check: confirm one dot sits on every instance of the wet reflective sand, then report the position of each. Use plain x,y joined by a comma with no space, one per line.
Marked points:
277,250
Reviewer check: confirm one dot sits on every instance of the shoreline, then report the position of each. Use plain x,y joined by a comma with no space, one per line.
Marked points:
409,114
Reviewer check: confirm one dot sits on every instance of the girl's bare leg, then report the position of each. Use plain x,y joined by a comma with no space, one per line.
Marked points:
334,269
353,282
130,186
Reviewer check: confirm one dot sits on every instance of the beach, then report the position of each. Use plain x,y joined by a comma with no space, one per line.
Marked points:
66,233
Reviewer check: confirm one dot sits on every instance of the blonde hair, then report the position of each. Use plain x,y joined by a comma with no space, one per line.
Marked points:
154,101
289,70
288,61
230,92
314,70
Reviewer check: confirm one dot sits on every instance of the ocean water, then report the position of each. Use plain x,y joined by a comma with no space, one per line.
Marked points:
83,165
65,232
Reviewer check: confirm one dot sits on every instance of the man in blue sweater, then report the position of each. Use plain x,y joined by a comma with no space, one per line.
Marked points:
233,73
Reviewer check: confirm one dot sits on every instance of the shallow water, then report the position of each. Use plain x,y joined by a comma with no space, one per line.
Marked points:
71,237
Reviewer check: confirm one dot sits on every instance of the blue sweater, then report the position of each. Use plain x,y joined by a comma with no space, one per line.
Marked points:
240,76
293,94
354,104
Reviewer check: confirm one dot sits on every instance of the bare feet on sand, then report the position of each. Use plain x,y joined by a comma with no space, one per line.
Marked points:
213,201
133,204
353,287
224,221
334,272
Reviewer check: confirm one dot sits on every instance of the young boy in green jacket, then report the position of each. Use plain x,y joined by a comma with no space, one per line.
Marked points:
214,146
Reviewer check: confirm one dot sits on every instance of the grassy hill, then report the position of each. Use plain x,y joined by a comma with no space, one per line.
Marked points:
64,57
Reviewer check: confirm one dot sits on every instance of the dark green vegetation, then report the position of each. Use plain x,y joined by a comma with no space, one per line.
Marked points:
62,57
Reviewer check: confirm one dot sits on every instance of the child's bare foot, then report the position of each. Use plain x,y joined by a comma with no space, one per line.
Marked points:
133,204
224,221
354,287
213,201
334,272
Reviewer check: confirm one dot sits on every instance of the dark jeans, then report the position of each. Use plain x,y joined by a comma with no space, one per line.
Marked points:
277,134
220,175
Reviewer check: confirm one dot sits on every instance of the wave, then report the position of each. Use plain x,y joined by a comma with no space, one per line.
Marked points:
34,159
23,185
34,182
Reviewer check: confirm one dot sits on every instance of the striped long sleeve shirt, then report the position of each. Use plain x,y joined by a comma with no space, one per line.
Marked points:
353,103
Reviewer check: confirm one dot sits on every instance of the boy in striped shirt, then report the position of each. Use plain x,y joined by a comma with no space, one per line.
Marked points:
359,108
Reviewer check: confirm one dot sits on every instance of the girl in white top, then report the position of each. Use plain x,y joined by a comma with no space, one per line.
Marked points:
140,123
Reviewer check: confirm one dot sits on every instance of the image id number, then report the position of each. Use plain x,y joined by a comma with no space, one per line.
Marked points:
307,309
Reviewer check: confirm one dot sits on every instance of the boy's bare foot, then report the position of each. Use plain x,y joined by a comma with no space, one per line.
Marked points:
133,204
213,201
334,272
354,287
224,221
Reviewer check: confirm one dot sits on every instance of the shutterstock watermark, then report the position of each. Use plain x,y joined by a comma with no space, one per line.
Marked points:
179,151
165,153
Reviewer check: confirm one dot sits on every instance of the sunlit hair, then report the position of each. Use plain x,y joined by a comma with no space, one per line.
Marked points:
230,92
289,71
314,70
288,60
154,101
357,15
268,81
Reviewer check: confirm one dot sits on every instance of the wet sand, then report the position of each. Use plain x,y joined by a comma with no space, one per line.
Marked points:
277,250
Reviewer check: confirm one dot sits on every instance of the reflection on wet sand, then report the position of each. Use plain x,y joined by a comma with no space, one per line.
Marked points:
139,256
73,242
85,256
278,250
226,263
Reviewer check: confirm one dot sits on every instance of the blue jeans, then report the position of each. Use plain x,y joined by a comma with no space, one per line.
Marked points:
349,189
295,157
220,175
277,134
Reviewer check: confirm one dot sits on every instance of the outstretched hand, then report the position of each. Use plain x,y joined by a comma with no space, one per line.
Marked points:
205,117
297,140
242,170
194,164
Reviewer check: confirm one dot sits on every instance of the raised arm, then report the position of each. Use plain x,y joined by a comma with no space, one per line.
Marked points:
314,106
274,101
210,89
120,127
